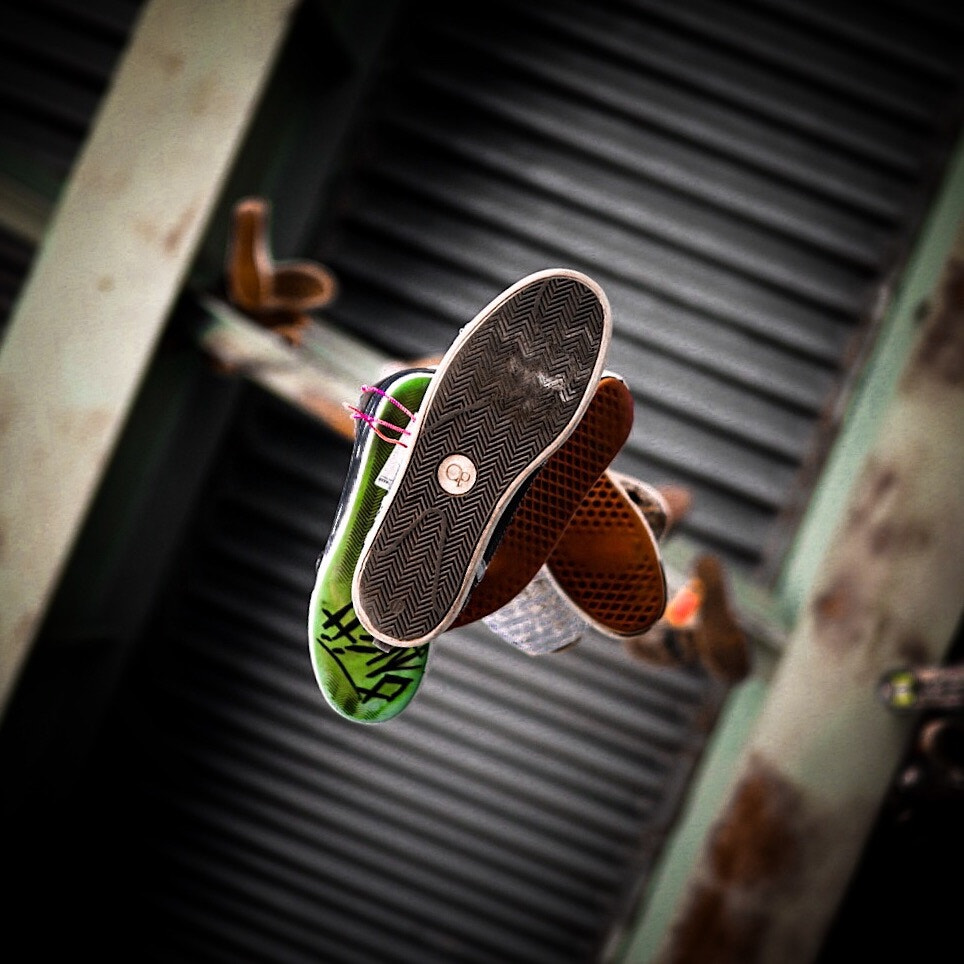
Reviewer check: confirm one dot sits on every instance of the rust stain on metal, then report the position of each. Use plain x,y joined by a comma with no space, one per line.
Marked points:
940,354
913,650
754,852
846,620
899,536
883,526
716,932
839,613
835,604
171,63
879,509
877,495
145,229
102,180
175,234
757,842
168,238
84,426
883,480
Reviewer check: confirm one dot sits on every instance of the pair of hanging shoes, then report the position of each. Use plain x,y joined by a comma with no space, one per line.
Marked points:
480,484
481,488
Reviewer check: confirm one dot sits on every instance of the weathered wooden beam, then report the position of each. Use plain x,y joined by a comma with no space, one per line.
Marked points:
112,261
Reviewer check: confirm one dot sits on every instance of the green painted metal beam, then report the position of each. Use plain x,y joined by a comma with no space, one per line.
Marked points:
837,748
117,250
874,391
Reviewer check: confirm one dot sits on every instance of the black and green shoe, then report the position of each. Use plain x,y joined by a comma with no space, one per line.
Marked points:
362,680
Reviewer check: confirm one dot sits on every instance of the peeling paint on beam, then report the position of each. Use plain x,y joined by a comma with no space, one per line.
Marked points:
111,263
889,591
326,370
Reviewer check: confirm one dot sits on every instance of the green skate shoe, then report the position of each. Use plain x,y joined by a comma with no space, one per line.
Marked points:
359,678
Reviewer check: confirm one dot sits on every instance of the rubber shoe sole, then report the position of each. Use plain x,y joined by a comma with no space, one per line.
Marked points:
608,563
552,498
545,618
507,394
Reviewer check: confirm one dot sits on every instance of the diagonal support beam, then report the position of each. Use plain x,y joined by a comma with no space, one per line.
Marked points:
809,782
112,261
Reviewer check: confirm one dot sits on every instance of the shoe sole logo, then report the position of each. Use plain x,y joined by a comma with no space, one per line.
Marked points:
456,474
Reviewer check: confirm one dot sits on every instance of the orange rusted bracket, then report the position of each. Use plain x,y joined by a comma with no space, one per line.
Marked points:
701,625
753,606
279,295
269,330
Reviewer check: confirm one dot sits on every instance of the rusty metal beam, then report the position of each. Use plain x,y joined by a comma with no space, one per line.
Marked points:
116,253
324,371
890,590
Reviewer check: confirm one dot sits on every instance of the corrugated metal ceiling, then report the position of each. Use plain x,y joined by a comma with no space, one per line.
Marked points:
741,177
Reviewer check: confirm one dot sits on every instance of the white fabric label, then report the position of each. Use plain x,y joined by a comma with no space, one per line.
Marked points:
390,469
393,463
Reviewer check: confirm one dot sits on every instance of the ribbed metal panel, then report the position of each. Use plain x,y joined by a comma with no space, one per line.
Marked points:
58,57
506,815
741,178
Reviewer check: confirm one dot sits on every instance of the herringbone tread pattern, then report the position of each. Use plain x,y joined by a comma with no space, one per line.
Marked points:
551,499
507,394
608,563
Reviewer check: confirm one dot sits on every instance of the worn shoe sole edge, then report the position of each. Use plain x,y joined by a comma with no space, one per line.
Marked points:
595,613
557,489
